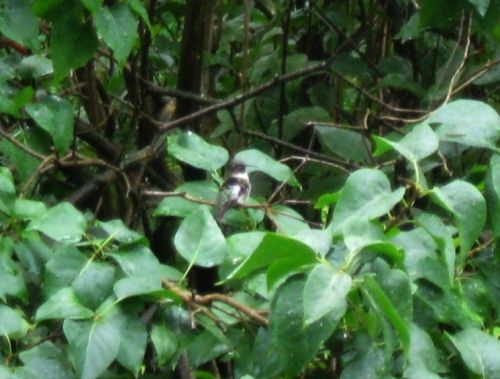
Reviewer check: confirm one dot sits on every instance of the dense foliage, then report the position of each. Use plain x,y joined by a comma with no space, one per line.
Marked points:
370,246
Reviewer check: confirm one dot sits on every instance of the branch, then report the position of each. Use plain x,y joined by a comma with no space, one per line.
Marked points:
341,165
232,102
23,147
207,300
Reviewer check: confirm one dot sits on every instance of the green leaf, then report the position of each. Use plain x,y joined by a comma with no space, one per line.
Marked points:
12,282
195,151
7,191
18,22
287,220
117,230
92,5
295,344
164,342
364,238
93,344
205,347
24,163
325,291
479,351
272,249
12,324
438,230
47,8
421,260
137,285
63,305
199,239
67,32
256,160
137,261
367,362
94,283
178,206
118,27
61,223
469,122
424,360
468,207
416,145
47,359
55,116
382,303
493,194
344,143
297,119
133,344
62,268
25,209
140,10
397,286
319,240
366,195
480,5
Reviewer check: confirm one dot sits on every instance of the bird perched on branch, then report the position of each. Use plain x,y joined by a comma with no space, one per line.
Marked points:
235,189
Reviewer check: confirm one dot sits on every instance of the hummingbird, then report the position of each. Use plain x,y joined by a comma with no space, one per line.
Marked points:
235,189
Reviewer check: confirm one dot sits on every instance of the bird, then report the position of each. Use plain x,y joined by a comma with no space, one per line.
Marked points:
235,189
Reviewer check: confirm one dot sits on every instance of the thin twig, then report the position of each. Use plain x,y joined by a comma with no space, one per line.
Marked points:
462,63
207,300
341,165
20,145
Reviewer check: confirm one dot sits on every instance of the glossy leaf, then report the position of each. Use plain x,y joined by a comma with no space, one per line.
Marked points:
479,351
117,230
287,221
18,22
347,144
94,283
61,223
384,305
296,344
118,27
467,206
493,193
132,343
258,161
62,268
416,145
325,292
190,148
164,342
49,360
469,122
93,344
63,305
438,230
199,239
480,5
424,360
12,324
421,259
92,5
55,116
29,209
7,191
273,248
12,283
69,31
366,195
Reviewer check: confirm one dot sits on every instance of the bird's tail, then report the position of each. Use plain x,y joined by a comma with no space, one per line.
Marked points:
220,210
